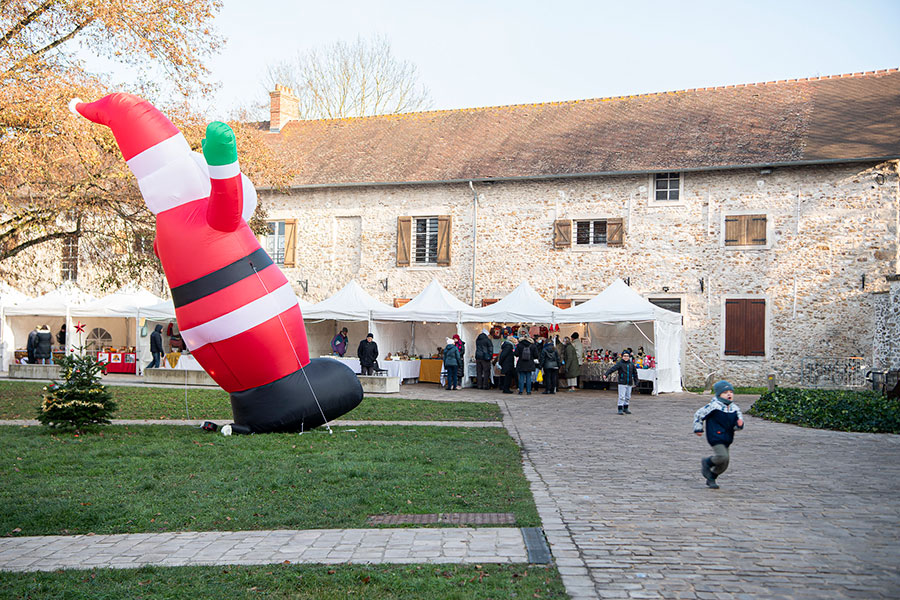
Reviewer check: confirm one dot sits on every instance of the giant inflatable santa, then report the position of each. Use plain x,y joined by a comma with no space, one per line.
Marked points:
235,309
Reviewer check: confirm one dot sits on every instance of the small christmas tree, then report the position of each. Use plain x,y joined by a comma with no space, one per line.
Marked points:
81,400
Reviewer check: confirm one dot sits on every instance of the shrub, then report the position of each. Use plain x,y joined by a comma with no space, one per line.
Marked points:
841,410
81,400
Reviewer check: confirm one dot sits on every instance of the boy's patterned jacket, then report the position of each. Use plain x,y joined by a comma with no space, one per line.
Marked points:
721,421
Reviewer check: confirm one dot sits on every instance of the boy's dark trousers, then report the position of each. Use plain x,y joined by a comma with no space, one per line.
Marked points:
718,462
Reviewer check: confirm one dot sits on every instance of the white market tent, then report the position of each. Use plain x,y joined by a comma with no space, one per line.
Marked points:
8,297
51,309
523,304
350,307
612,316
424,323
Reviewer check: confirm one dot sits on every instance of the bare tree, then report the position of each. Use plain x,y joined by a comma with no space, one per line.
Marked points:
356,79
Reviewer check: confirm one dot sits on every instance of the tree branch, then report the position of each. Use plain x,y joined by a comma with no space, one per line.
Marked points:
28,20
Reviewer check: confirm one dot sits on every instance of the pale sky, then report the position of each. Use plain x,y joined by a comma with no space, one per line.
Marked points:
483,53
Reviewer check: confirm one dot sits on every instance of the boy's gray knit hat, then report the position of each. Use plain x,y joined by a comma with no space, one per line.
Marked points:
721,387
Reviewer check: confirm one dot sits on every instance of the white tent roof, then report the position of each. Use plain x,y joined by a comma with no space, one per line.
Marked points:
53,304
434,304
122,303
351,303
521,304
618,302
10,295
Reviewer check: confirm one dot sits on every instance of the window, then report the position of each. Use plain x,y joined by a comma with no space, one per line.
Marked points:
672,304
745,327
745,230
97,339
589,233
280,242
70,258
143,242
667,187
423,241
426,241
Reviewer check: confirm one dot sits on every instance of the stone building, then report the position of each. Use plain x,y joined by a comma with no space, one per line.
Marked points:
767,214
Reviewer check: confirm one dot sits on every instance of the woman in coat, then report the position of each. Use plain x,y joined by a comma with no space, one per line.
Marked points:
573,369
43,349
507,361
525,366
550,362
452,361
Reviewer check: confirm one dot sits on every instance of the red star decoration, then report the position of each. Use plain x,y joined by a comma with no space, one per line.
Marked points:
79,327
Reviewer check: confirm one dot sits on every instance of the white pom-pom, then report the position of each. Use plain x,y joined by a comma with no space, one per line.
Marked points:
72,104
226,430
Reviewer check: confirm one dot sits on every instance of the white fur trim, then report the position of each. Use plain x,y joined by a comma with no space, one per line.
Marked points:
72,104
224,171
242,319
249,205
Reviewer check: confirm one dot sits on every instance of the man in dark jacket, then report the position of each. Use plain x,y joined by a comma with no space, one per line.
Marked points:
506,360
550,362
339,342
43,345
367,353
156,347
627,378
484,352
525,365
31,345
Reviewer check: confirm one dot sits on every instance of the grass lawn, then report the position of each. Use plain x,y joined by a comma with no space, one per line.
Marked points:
20,400
295,582
119,479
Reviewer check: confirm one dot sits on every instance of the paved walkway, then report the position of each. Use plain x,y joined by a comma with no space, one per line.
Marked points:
456,545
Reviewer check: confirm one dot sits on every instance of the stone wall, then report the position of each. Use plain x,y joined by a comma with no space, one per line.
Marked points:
886,348
829,226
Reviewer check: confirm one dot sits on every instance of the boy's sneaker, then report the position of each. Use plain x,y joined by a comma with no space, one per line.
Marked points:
621,412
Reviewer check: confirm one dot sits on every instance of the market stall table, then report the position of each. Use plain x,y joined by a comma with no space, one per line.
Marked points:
118,362
404,369
180,361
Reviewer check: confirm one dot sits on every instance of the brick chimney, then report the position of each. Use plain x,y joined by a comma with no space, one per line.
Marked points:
284,107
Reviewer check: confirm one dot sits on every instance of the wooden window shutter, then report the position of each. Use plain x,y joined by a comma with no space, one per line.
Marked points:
756,230
290,242
443,241
488,301
562,233
745,327
562,303
615,232
404,229
732,231
398,302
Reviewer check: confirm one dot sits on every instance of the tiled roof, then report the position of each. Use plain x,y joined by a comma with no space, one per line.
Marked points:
824,119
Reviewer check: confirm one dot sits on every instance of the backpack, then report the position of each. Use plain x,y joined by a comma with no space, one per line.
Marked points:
526,353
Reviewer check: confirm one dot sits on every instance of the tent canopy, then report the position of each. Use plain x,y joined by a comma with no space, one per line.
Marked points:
124,303
434,304
10,295
618,302
52,304
521,304
351,303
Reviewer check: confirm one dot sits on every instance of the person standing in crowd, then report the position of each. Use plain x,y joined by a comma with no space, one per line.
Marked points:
461,346
484,352
31,345
525,365
579,351
452,361
550,362
570,360
536,351
627,376
507,361
339,343
61,337
156,347
43,346
368,354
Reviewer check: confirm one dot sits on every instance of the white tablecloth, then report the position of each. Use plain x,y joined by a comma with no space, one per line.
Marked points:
185,363
648,375
404,369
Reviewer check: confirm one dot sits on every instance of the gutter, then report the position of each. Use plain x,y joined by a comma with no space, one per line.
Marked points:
466,180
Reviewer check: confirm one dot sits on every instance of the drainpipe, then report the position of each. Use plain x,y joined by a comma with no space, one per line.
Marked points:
474,236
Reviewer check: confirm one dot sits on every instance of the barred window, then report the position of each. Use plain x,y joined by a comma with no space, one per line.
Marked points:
275,241
70,258
426,241
590,233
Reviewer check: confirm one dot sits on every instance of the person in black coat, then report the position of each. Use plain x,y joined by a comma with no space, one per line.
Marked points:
550,361
30,346
61,337
368,354
525,364
156,347
484,352
43,345
506,360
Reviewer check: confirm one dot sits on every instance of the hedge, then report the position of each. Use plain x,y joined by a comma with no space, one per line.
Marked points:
840,410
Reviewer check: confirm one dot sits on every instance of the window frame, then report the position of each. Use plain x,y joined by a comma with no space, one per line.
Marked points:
591,245
651,198
766,328
274,254
69,260
770,230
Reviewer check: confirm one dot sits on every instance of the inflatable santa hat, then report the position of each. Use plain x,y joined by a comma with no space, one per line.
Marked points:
235,309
